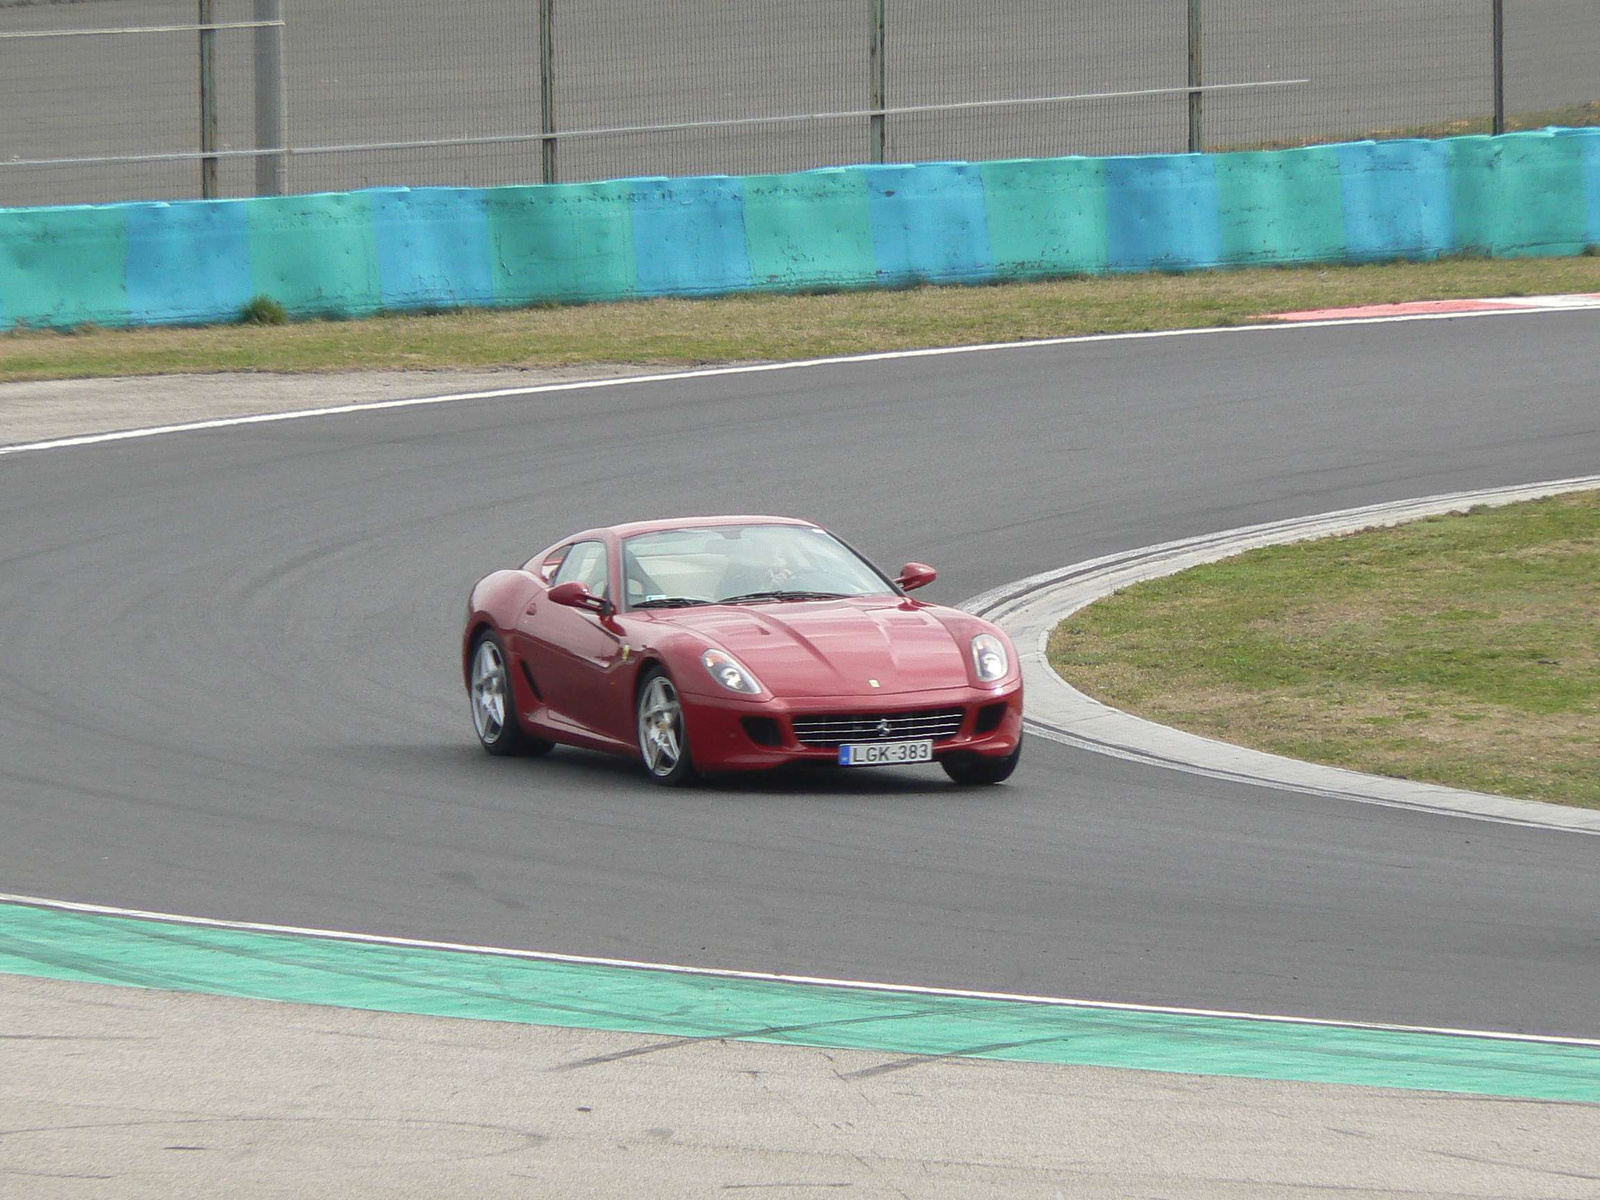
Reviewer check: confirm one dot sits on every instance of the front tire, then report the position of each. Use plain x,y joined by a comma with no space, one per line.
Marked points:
974,770
663,736
494,704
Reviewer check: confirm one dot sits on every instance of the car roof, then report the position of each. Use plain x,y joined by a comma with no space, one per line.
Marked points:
634,528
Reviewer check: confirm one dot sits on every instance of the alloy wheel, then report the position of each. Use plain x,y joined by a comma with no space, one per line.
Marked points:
660,726
489,688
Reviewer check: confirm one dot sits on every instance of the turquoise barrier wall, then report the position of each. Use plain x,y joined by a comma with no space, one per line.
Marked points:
1047,216
400,249
64,266
562,244
1397,199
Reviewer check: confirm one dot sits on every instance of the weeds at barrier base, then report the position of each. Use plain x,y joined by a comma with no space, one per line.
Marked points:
263,310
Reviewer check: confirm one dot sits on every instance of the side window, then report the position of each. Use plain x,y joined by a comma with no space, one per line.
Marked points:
586,564
548,567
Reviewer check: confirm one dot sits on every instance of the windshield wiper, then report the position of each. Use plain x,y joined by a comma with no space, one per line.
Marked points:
781,595
668,602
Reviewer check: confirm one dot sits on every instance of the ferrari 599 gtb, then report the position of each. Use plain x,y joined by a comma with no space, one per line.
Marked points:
735,644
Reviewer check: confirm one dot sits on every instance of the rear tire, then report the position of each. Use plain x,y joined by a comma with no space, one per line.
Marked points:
974,770
663,736
494,703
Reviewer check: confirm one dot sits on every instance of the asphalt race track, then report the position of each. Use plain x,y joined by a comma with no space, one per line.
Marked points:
230,683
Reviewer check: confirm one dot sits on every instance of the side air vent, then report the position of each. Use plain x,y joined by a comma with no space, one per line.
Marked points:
989,717
763,731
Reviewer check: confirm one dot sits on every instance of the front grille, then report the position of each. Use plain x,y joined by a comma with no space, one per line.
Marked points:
835,729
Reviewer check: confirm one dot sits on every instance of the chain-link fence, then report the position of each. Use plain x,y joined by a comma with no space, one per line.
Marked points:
105,100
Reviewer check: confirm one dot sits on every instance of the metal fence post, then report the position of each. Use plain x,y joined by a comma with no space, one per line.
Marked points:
208,99
875,71
547,90
272,170
1197,140
1499,23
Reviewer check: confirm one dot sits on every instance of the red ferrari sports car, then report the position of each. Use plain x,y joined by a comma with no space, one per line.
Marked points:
735,644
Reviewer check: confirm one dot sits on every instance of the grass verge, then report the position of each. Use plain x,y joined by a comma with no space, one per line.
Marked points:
1462,650
774,328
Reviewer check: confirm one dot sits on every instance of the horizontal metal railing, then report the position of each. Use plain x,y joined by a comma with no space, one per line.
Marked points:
206,27
411,92
626,130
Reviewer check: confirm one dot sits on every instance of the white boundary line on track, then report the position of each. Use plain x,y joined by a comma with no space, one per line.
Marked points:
124,435
372,939
1030,609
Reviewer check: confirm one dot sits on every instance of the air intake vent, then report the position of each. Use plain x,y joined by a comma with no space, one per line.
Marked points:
763,731
989,718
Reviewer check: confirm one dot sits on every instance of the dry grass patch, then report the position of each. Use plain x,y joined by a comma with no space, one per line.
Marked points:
776,328
1462,650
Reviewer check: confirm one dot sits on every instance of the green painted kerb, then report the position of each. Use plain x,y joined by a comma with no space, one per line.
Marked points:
444,983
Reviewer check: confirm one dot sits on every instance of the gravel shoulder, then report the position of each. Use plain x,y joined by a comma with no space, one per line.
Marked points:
42,410
128,1093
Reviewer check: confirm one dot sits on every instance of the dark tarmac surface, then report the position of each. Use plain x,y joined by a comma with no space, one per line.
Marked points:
229,683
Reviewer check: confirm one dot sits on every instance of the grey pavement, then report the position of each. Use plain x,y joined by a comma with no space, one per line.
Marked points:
128,1094
59,408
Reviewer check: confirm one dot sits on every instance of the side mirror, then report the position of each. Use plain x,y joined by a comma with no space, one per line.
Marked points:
578,595
915,575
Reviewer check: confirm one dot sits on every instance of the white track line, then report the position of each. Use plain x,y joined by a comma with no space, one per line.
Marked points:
96,439
770,977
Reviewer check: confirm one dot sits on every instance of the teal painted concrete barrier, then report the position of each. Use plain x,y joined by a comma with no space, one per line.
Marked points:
1519,195
563,244
65,266
1047,217
810,230
893,225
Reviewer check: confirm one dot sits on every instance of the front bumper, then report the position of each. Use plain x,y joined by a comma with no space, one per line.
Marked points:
736,734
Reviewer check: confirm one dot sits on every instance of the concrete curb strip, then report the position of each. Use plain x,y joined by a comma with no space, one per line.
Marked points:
1030,608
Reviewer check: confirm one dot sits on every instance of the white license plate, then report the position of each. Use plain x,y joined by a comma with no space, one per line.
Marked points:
878,754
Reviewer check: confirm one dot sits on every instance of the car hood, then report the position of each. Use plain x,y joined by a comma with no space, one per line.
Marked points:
836,647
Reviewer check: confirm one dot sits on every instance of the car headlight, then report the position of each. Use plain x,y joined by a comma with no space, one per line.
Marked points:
989,659
731,673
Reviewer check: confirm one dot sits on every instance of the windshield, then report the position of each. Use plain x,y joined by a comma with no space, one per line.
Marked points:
744,564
